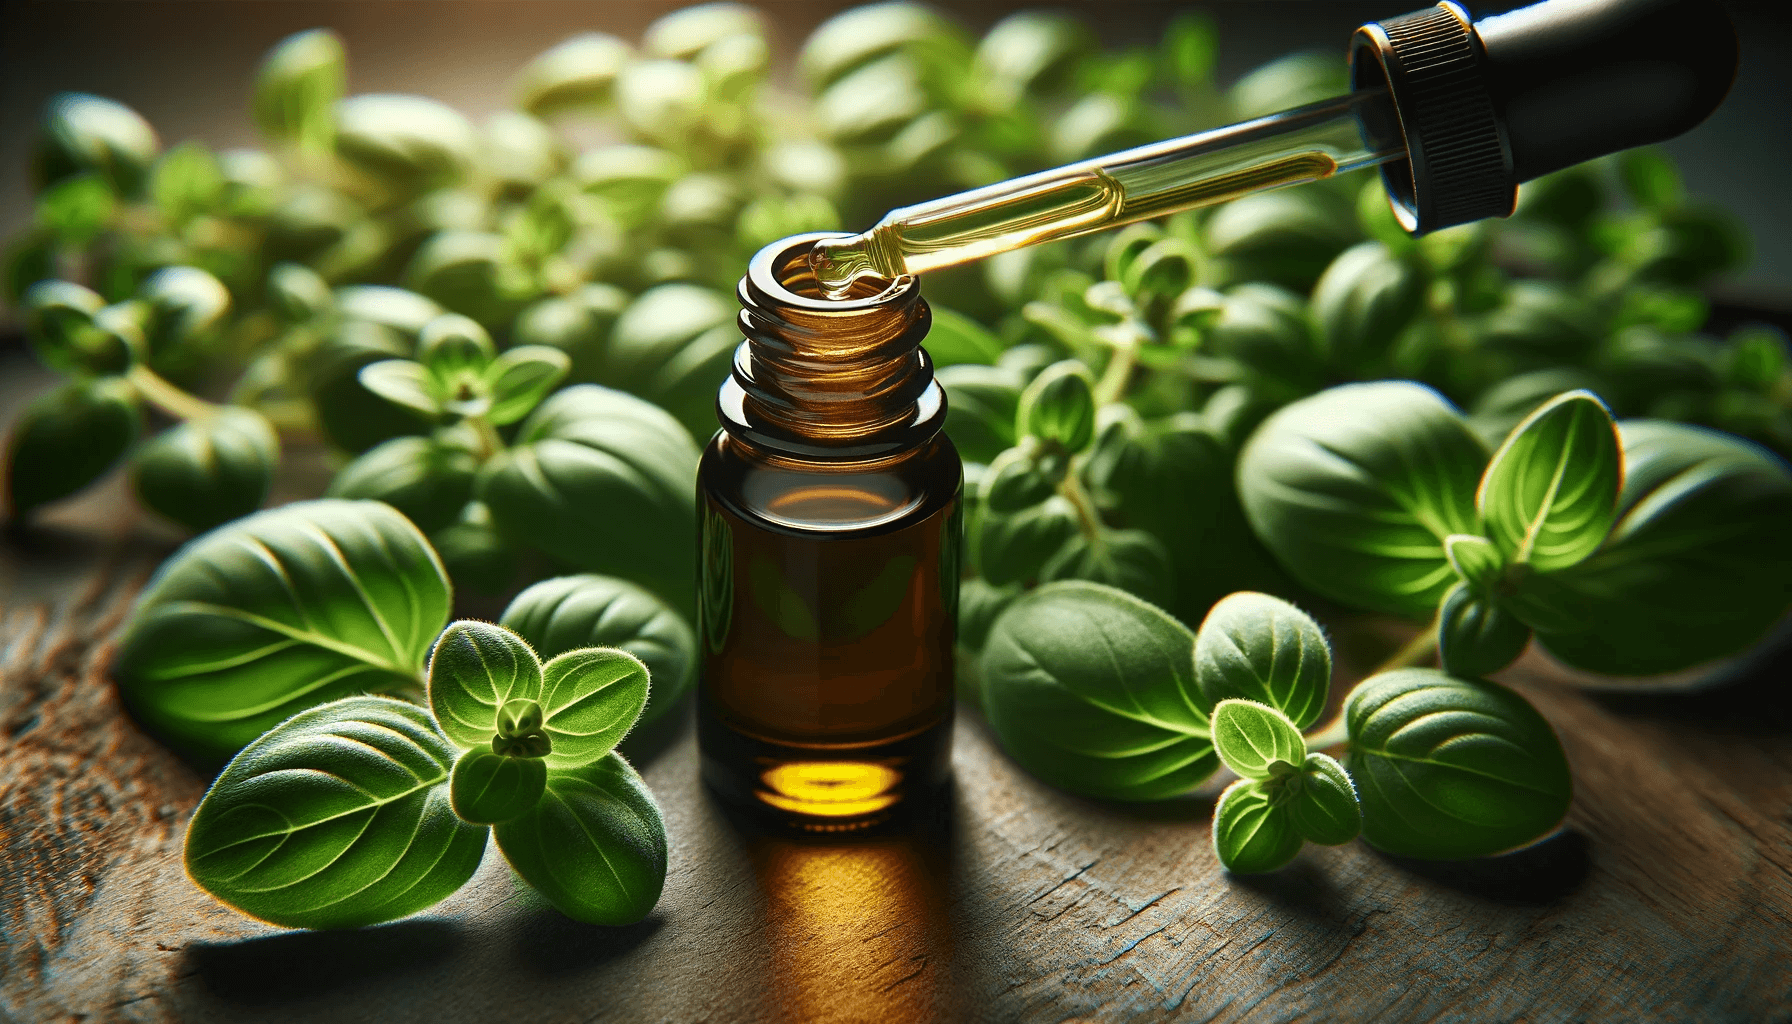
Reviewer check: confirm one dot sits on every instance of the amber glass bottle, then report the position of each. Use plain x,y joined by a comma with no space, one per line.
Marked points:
829,556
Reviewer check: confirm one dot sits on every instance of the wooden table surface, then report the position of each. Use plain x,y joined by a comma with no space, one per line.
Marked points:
1667,897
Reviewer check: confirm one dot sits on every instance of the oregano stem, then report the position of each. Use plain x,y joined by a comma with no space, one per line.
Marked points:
1114,376
1072,489
166,396
490,443
1419,649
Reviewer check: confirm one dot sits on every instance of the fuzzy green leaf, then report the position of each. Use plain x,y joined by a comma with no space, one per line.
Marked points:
591,698
1261,648
1476,636
1131,560
477,668
594,845
1093,690
489,788
1450,768
428,479
1250,833
1355,489
208,471
338,817
278,612
1325,810
1251,738
1549,496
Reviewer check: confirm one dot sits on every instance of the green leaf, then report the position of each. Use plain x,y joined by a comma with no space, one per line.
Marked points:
1363,301
1325,810
1355,489
1285,238
186,306
67,439
1287,82
955,338
278,612
1549,496
336,818
856,36
402,382
1093,690
410,142
75,210
577,72
661,100
297,293
476,670
591,698
1261,648
657,326
1131,560
1651,178
489,788
686,33
208,471
570,612
1265,328
1251,738
1694,569
474,552
1477,561
1250,833
89,133
451,344
1476,636
469,272
428,479
67,327
594,845
188,182
605,482
1028,51
981,402
1188,51
297,87
520,378
1450,768
1059,406
631,180
979,605
1020,478
1014,548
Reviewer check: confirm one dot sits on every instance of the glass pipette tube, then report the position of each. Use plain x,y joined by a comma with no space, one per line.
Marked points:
1302,144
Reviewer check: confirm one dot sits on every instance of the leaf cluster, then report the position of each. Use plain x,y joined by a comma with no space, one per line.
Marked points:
1635,547
1102,694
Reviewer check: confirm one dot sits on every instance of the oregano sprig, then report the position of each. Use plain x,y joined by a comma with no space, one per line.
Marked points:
1099,692
368,808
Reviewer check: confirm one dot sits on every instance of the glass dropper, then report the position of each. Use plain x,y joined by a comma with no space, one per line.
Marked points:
1302,144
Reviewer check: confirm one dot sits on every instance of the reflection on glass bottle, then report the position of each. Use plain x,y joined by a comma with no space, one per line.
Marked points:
829,558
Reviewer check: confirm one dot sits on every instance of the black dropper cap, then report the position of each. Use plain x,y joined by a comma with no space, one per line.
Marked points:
1483,106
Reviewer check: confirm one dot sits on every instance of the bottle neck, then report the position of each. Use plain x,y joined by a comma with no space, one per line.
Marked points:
819,378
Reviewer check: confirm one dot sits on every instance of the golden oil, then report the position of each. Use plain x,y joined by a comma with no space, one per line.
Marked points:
828,557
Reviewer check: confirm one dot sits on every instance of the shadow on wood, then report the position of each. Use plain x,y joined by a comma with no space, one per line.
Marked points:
291,966
547,942
1538,875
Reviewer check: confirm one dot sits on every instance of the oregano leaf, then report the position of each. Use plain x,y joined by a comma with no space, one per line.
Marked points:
1477,561
1549,496
488,788
1251,738
1261,648
1250,834
476,670
1325,809
336,818
1477,636
590,699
